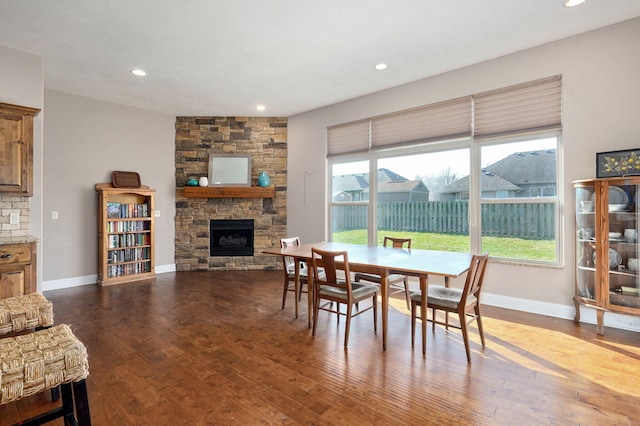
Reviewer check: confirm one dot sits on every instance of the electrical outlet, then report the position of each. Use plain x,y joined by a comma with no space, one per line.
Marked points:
54,215
14,219
156,213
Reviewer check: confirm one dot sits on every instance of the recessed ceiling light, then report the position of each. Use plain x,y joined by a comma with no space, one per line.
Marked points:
261,107
572,3
138,72
381,67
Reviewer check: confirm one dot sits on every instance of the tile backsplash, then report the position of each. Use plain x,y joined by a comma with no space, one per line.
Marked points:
14,205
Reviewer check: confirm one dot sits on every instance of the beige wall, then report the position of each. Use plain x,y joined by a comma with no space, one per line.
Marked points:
85,140
600,113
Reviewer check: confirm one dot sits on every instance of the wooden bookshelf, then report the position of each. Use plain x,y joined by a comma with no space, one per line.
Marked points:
125,234
229,192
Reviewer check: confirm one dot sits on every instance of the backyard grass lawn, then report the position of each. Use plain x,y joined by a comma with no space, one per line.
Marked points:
507,247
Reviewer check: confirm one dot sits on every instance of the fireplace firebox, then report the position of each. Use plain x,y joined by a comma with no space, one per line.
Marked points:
231,237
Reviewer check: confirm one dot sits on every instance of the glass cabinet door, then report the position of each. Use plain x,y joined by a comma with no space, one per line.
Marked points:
623,220
585,242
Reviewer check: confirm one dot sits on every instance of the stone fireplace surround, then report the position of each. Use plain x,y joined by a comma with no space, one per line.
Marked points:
265,139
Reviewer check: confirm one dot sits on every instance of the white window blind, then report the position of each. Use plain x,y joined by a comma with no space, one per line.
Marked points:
524,108
444,120
348,138
528,107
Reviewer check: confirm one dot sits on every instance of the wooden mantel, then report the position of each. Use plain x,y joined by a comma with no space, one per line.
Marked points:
229,192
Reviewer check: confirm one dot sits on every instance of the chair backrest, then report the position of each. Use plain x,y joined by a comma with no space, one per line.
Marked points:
397,242
330,262
475,277
288,260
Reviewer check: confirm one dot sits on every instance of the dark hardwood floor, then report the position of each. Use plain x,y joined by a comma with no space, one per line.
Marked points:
206,348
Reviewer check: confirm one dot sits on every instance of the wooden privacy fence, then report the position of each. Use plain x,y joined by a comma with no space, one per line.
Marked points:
536,221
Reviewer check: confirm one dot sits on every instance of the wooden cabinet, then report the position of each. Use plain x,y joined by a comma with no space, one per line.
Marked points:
17,269
125,234
16,149
607,249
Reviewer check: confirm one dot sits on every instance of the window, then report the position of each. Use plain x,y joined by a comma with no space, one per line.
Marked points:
349,202
477,173
518,204
418,198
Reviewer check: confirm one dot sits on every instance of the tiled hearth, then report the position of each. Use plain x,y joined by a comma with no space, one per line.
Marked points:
265,139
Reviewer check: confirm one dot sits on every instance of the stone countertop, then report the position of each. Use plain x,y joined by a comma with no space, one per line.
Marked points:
18,240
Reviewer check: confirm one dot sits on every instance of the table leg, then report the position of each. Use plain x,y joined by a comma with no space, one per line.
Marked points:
384,294
423,312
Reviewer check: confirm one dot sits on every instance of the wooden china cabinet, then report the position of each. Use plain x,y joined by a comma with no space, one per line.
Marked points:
607,250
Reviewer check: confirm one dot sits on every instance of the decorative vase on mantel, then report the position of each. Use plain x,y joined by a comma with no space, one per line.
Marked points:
264,180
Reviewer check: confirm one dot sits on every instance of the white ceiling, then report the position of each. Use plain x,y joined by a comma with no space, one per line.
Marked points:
215,57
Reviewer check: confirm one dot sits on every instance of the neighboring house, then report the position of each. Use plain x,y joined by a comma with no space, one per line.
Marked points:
350,187
522,174
391,187
491,186
408,190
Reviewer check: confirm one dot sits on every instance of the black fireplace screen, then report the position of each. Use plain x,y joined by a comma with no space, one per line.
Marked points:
231,237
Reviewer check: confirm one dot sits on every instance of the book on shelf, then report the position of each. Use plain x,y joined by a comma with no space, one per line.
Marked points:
124,211
113,209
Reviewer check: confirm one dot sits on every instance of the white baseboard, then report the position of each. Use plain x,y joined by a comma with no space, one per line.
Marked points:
163,269
587,315
91,279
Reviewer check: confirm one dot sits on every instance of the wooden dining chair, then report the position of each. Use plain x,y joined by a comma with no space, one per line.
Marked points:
290,272
397,283
465,302
335,286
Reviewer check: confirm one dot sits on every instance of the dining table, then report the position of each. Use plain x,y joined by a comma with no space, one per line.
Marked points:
383,261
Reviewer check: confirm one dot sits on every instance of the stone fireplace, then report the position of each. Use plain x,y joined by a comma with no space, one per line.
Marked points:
265,139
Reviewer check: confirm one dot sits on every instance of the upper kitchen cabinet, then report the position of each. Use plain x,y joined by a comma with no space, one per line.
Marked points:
16,149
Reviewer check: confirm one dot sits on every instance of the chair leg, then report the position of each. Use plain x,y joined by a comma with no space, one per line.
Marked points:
316,310
407,294
375,313
413,324
347,326
433,320
82,403
67,404
55,393
465,335
479,321
284,292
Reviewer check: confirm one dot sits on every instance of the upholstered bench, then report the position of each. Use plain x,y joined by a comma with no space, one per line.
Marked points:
26,312
34,362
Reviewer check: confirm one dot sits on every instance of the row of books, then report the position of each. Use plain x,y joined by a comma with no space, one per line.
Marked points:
129,255
128,269
128,226
129,240
118,210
